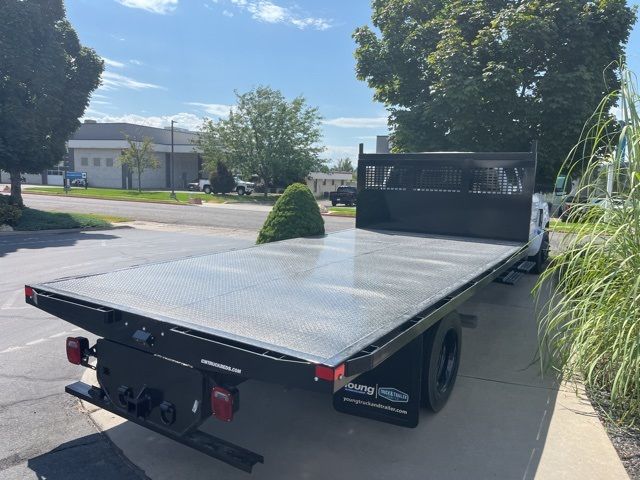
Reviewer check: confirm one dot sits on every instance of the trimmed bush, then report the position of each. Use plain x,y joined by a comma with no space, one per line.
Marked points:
9,214
222,179
295,214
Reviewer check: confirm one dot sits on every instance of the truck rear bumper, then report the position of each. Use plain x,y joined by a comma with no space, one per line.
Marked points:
208,444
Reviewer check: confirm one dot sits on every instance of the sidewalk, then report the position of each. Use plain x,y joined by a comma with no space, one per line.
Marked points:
503,421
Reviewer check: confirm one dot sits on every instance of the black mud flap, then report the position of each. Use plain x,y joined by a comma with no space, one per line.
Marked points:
390,392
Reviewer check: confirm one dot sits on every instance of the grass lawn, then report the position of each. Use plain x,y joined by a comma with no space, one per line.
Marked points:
32,219
344,211
148,196
555,225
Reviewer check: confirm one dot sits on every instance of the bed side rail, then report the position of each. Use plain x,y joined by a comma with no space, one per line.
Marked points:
479,195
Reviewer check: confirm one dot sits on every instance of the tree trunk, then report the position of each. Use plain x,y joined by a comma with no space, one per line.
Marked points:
139,185
16,188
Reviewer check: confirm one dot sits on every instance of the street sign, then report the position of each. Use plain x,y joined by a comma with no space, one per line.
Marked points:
76,175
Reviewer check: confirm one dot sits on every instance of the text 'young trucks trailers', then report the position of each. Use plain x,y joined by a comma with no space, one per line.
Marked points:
365,315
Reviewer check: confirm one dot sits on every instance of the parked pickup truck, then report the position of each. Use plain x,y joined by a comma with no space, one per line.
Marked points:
366,316
241,188
344,194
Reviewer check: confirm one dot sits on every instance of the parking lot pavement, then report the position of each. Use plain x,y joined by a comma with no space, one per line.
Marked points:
43,432
504,420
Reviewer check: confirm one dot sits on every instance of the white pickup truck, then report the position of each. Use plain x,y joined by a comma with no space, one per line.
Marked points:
241,188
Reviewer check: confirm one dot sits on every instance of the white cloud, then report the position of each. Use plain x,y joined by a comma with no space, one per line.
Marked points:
112,63
155,6
215,109
114,81
336,152
269,12
227,13
357,122
185,120
99,102
133,61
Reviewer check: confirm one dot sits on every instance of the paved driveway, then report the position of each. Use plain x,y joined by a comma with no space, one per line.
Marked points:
503,419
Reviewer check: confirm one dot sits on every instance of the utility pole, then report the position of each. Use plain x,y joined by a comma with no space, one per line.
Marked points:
173,192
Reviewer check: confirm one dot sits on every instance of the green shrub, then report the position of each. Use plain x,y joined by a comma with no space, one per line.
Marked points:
9,214
222,179
295,214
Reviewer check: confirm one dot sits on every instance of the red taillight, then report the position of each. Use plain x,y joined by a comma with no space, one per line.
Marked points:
28,292
222,403
77,348
329,373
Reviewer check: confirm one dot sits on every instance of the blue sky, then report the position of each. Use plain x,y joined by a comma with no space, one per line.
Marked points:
183,59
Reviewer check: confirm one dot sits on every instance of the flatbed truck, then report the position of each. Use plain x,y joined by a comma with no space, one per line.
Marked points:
366,316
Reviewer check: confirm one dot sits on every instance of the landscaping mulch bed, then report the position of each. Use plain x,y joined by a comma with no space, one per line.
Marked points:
626,440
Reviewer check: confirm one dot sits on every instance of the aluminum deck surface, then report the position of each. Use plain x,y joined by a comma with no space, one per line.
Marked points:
318,299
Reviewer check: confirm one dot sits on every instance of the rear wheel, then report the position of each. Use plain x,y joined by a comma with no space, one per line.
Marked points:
442,347
240,190
334,203
206,189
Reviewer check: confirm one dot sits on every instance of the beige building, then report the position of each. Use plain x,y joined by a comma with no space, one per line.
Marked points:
321,184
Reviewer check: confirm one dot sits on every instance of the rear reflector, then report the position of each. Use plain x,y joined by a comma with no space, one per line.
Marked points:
28,292
222,404
77,348
329,374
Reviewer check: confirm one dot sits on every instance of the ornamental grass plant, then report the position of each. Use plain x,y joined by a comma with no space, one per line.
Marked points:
589,327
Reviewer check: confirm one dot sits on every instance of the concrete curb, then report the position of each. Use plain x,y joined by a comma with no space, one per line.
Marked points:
62,230
337,215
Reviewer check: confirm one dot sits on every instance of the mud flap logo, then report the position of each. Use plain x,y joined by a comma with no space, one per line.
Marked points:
360,388
388,393
393,395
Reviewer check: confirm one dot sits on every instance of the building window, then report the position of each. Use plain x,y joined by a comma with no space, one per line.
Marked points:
96,162
109,162
84,161
333,182
324,182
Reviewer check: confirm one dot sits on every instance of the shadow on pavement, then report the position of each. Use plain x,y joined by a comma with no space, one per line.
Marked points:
35,240
92,456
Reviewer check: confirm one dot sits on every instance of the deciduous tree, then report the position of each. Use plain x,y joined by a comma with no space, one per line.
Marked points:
492,74
46,77
343,165
139,157
265,135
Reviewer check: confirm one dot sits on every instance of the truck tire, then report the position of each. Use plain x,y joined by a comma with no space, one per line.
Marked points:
442,347
206,189
240,190
334,203
540,258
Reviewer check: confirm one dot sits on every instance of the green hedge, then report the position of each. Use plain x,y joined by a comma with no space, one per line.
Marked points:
9,214
295,214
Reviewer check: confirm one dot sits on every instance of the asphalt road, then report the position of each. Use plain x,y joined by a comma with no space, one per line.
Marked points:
43,433
236,216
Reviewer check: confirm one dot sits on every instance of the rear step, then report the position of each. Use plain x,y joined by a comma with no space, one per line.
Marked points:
515,273
510,277
215,447
525,266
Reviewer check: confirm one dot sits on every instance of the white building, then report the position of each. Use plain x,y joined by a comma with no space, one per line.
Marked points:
95,147
321,184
